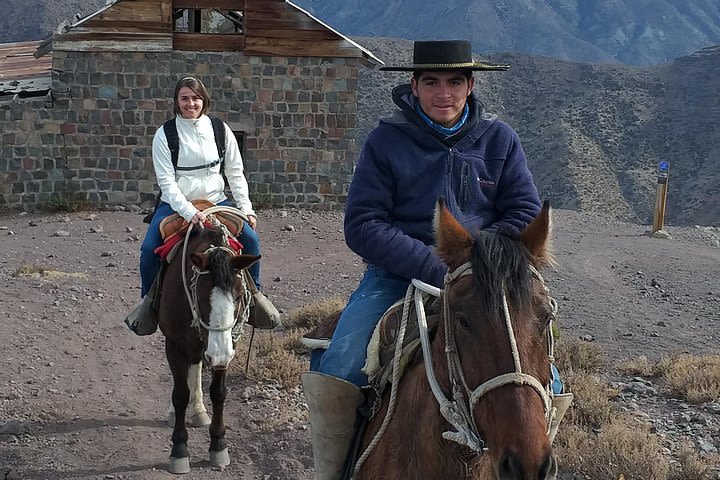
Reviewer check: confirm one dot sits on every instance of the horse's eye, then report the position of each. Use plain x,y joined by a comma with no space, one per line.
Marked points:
545,314
462,320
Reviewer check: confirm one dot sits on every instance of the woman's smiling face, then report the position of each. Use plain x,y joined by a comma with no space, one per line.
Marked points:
190,103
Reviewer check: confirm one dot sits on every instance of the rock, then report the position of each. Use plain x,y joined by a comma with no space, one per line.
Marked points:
288,228
34,223
706,447
97,229
61,233
587,338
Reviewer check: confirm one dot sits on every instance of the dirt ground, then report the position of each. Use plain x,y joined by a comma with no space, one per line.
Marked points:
81,397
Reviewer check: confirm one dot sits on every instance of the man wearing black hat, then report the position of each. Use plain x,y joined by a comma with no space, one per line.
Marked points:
440,143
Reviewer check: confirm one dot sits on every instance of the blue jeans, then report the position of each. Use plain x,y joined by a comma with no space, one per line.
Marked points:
347,353
150,261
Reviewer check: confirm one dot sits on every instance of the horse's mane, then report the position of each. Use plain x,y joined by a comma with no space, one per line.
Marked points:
222,273
499,259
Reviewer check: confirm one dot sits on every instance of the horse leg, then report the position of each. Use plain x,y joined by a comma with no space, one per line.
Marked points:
198,413
219,456
179,458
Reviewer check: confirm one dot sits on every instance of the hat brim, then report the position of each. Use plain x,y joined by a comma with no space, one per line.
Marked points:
476,66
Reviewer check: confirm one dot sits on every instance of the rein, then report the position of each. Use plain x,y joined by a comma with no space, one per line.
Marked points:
191,289
457,411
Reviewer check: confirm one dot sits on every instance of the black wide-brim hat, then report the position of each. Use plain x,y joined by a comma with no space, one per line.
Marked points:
444,55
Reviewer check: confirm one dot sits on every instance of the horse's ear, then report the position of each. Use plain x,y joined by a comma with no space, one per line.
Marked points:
536,237
454,243
240,262
200,260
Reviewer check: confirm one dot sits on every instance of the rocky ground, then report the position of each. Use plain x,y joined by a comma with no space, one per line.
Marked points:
83,398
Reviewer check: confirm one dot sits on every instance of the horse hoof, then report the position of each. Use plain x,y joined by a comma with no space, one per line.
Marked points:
201,419
179,465
219,459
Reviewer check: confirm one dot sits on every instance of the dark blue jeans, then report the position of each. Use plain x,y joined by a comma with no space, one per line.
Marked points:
347,353
150,261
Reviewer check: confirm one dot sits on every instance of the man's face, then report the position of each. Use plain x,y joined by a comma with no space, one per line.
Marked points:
443,95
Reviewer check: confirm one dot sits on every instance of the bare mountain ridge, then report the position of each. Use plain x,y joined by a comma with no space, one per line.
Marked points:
594,134
590,31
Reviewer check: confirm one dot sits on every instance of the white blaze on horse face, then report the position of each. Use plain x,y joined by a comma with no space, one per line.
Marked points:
220,347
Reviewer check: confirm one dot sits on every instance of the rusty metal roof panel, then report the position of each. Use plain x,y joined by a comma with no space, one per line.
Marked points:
20,71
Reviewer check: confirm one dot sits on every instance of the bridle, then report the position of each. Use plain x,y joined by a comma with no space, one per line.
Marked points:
458,411
191,287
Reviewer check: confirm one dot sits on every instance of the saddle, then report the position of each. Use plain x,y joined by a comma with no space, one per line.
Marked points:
381,348
175,223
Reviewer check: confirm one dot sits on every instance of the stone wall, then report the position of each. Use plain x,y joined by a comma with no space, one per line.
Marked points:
90,139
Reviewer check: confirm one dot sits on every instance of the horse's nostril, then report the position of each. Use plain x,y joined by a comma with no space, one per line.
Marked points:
548,470
510,468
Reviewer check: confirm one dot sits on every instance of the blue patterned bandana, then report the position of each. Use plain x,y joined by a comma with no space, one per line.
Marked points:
445,131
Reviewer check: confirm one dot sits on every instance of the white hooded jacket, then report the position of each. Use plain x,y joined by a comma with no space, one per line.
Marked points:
197,148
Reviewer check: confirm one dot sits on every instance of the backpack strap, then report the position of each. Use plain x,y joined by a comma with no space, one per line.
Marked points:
219,132
173,140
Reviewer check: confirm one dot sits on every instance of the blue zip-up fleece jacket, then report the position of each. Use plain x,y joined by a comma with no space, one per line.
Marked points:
406,165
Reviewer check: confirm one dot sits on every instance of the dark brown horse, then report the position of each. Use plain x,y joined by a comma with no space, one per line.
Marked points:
203,305
489,417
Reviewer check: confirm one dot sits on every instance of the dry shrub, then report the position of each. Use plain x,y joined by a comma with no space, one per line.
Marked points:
577,356
309,315
622,447
639,366
272,357
44,271
591,407
693,466
694,378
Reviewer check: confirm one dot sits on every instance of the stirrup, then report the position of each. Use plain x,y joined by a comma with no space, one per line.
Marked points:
263,314
142,320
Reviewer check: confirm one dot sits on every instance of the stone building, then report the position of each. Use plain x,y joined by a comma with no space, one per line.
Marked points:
81,131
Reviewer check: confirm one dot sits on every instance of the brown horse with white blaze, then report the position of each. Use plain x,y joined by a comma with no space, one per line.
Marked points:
490,358
204,302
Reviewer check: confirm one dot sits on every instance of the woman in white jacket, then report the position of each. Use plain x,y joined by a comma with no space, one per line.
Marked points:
197,176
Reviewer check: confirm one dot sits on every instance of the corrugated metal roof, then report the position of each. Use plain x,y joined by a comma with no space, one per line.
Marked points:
20,71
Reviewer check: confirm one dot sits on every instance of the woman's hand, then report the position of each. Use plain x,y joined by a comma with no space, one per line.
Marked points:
198,218
252,221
